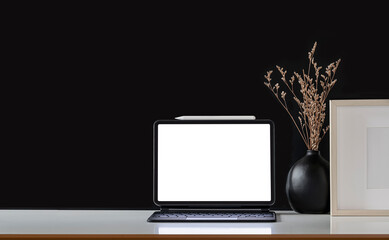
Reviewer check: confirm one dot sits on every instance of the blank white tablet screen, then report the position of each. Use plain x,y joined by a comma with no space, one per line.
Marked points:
214,162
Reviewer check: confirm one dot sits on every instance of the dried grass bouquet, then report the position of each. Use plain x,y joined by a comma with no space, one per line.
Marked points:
310,100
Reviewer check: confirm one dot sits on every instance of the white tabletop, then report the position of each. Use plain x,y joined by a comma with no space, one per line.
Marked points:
134,222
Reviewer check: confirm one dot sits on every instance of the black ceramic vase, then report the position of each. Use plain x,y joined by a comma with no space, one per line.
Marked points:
308,184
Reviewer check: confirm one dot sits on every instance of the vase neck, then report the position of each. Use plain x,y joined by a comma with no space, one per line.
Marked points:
313,152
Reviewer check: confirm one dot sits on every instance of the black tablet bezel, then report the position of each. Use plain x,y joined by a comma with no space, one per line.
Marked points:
204,204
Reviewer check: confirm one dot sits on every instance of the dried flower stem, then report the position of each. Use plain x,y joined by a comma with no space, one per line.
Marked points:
312,104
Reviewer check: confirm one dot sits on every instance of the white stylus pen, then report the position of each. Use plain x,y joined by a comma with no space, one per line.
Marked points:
248,117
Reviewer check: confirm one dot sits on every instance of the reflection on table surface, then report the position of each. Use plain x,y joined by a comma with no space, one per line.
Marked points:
285,224
212,228
360,225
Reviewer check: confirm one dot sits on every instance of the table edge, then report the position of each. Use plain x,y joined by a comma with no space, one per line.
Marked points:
193,236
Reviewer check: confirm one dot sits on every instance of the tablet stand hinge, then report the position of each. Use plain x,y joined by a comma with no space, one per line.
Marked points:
165,209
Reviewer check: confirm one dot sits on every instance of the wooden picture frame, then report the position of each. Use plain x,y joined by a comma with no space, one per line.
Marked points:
359,157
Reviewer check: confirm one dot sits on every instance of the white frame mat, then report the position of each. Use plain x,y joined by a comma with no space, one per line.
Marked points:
359,157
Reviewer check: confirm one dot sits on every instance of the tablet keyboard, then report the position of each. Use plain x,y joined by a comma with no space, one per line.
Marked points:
212,217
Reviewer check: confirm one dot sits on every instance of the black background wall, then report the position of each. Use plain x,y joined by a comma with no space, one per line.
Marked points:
84,84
